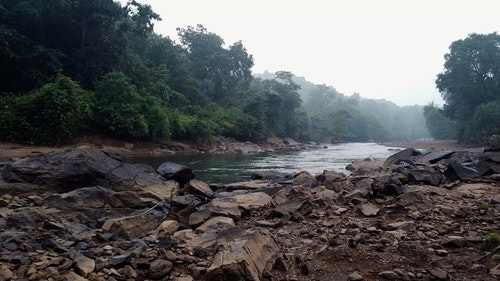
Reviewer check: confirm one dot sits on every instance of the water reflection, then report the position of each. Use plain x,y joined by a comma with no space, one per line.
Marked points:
234,168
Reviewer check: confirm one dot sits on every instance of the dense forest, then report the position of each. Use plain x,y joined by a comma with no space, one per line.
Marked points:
470,87
75,67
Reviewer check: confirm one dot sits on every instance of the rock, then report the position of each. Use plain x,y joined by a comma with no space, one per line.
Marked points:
425,177
365,167
435,156
120,260
72,276
186,200
390,275
454,242
330,176
168,227
304,179
355,276
159,268
131,227
252,200
459,171
197,218
200,188
242,254
291,207
216,224
248,185
225,206
439,273
5,272
84,265
407,154
268,175
368,209
177,172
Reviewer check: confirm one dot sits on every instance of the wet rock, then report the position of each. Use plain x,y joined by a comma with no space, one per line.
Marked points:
177,172
242,254
268,175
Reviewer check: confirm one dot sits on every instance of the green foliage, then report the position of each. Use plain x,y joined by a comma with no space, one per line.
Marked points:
122,112
492,241
472,78
440,127
49,115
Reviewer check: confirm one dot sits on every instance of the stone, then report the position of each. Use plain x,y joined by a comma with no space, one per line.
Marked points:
226,206
84,265
457,171
304,179
5,272
131,227
197,218
159,268
368,209
200,188
242,254
454,241
268,175
248,185
355,276
177,172
252,200
439,273
390,275
407,154
72,276
216,224
168,227
425,177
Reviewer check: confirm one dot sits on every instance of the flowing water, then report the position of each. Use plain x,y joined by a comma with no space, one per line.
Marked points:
235,168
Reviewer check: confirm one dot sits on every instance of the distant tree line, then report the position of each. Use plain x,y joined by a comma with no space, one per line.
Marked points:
75,67
470,87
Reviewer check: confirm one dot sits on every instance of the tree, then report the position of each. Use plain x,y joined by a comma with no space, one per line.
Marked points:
440,127
470,78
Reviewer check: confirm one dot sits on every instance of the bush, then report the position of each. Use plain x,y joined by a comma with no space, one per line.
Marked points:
492,241
49,115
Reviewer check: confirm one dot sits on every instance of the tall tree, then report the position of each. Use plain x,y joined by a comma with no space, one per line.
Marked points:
470,78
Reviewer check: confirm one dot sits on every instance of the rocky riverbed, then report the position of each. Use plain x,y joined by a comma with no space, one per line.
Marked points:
84,214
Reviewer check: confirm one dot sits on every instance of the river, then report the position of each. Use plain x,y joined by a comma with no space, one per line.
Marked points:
235,168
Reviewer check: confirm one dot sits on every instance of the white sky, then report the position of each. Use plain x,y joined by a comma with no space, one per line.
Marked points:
383,49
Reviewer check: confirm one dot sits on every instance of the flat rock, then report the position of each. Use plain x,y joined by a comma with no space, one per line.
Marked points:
216,224
248,185
368,209
159,268
84,264
131,227
200,188
242,254
252,200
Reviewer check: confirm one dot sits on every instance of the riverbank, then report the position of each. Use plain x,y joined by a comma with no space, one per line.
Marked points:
452,145
84,215
220,145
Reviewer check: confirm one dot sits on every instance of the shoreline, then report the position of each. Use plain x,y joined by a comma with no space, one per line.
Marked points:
220,146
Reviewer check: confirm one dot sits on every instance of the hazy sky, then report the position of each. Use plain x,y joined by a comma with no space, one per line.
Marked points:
383,49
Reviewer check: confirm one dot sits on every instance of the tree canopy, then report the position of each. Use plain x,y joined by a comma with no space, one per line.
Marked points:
470,86
73,67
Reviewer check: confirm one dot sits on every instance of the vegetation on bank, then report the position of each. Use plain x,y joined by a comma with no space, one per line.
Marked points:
70,68
470,87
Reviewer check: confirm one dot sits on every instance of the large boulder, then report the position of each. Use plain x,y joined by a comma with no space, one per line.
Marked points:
406,155
177,172
88,166
242,254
